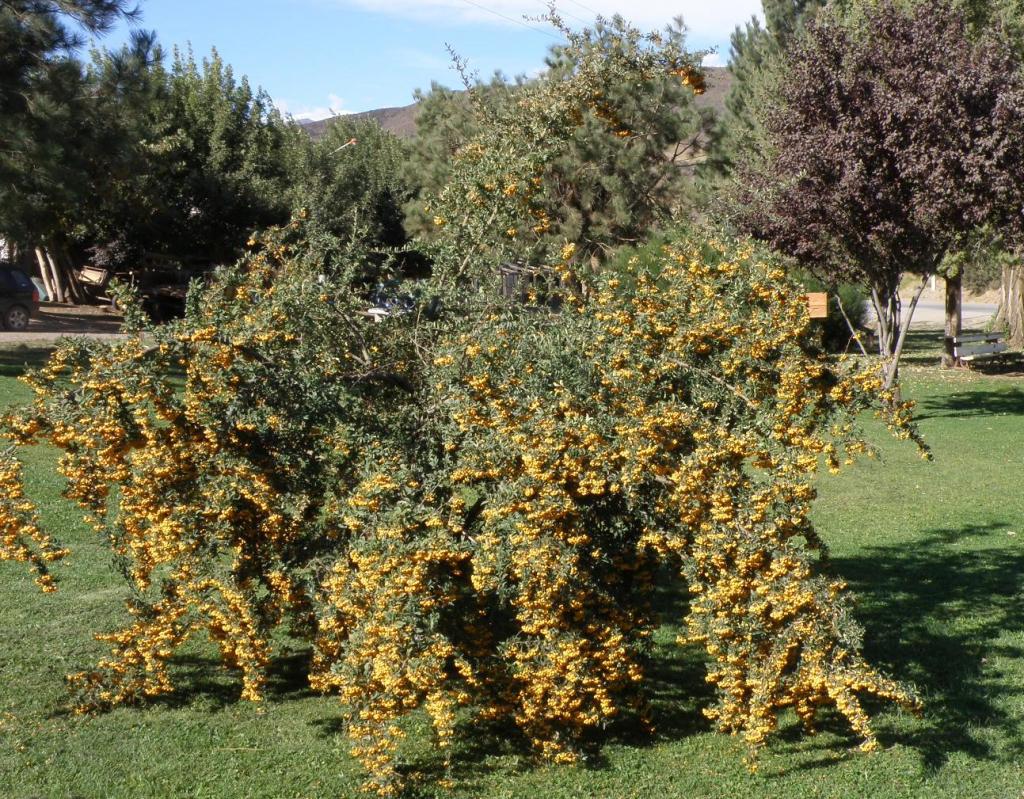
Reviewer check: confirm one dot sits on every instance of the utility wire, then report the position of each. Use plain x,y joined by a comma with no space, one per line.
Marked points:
563,13
511,19
586,8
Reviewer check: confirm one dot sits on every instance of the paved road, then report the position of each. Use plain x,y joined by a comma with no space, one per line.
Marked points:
54,321
929,313
975,314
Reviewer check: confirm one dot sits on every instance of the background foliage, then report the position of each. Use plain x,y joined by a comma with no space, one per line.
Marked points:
891,135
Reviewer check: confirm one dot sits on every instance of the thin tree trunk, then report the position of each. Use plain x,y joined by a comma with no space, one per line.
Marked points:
896,327
44,273
854,334
70,277
1010,314
58,278
954,316
881,323
893,367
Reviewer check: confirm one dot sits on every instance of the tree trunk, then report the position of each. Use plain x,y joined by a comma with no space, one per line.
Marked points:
882,321
896,334
1010,315
954,316
854,333
44,273
58,278
55,281
70,277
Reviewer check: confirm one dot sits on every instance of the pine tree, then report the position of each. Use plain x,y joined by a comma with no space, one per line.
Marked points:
754,50
447,119
43,111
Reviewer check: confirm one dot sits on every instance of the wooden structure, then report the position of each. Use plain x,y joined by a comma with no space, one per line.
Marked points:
817,304
976,345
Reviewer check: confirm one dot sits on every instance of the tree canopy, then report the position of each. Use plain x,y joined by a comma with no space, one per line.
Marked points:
354,182
754,52
890,134
43,157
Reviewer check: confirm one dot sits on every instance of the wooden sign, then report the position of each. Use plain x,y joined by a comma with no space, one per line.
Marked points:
817,304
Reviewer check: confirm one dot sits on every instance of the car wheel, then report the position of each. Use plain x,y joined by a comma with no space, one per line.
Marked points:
16,318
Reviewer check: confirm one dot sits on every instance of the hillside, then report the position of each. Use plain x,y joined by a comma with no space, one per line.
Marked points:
718,83
401,120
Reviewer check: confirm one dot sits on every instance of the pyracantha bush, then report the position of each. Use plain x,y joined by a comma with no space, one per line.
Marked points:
468,511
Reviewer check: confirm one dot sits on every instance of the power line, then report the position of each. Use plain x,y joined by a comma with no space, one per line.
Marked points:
586,8
563,13
511,19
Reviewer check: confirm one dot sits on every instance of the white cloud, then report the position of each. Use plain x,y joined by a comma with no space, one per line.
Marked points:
714,60
335,107
713,20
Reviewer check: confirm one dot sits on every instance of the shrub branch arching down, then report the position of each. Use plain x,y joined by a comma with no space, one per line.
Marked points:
463,507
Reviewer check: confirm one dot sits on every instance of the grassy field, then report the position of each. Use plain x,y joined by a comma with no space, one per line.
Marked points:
934,550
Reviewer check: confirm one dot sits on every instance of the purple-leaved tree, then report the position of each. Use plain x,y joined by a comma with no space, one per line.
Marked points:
888,136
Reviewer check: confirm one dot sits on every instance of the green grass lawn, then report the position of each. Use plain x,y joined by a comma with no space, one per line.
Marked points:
934,550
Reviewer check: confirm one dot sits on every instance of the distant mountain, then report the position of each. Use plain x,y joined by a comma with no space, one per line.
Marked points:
718,81
401,120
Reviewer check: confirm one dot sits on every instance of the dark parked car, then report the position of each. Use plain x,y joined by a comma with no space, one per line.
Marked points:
19,299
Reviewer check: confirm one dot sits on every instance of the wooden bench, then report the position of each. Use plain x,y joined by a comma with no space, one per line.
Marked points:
975,345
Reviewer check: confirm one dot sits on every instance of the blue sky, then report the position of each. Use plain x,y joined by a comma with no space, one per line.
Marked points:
318,56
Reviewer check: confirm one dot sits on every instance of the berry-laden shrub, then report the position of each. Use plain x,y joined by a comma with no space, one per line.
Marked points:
464,513
676,418
213,454
21,538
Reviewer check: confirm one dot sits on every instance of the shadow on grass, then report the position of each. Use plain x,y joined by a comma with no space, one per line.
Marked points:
976,402
1007,364
923,347
939,616
946,615
479,748
202,682
676,691
15,360
288,676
